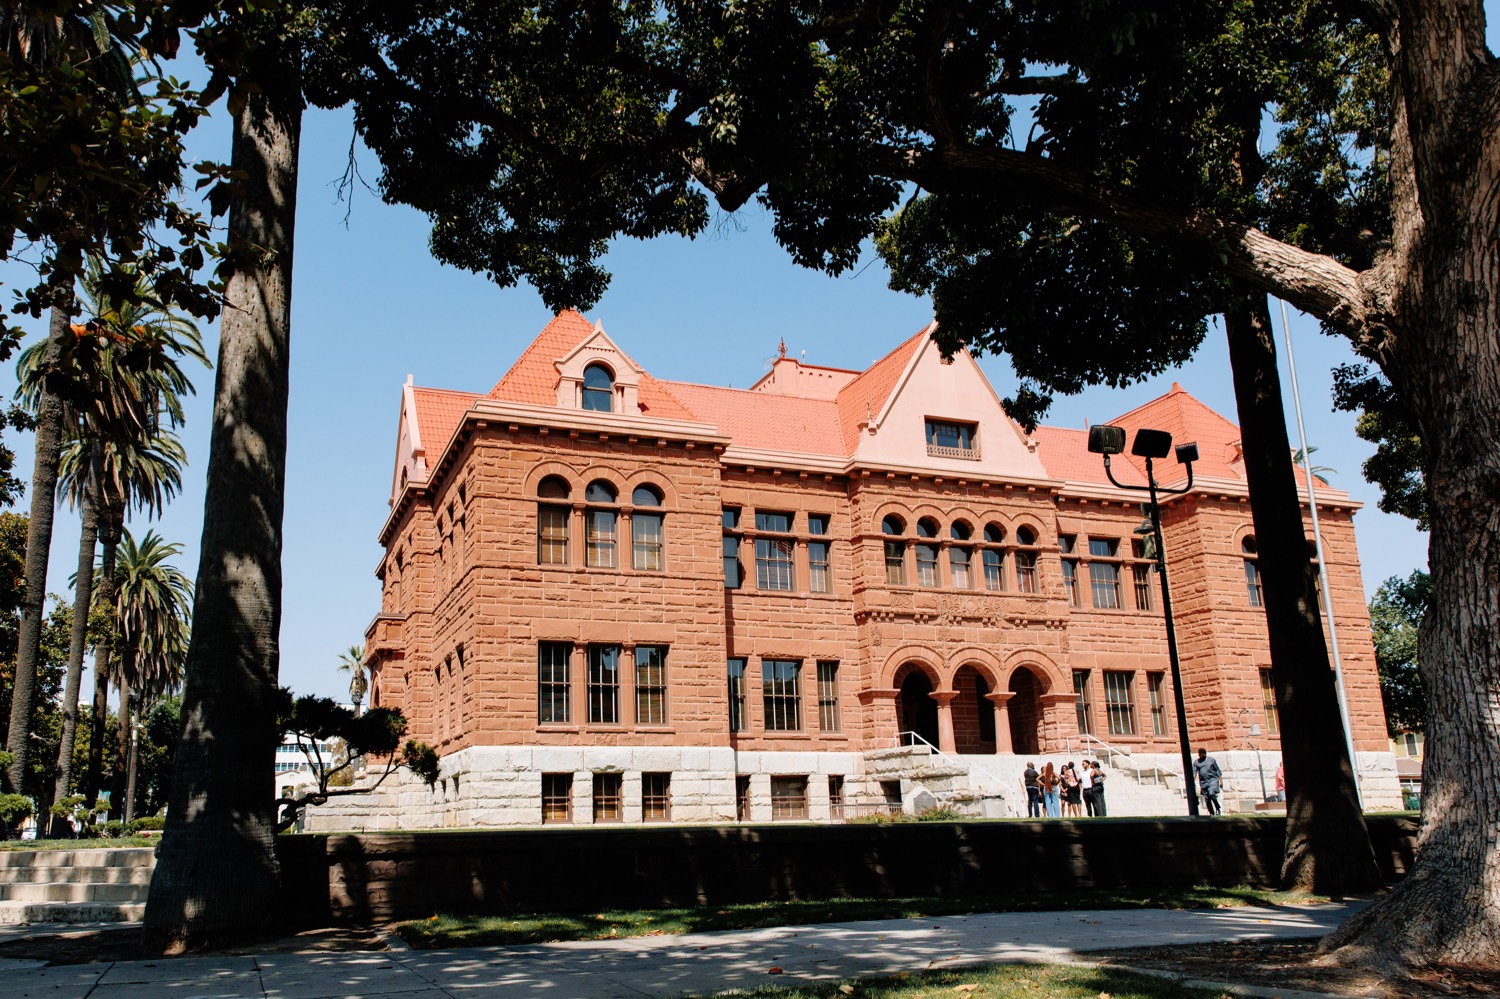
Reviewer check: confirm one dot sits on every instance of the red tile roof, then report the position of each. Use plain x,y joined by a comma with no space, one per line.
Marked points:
763,420
533,378
1188,421
438,414
866,395
1065,455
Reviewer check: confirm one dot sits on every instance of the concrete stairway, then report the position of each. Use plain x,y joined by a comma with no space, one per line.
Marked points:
74,886
927,778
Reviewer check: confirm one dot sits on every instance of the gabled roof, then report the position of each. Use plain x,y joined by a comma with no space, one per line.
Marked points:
766,421
533,378
867,395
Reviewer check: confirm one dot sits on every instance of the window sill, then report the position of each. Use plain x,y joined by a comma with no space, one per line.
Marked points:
557,727
656,729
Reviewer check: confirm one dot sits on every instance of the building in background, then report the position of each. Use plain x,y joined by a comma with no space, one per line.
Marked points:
607,597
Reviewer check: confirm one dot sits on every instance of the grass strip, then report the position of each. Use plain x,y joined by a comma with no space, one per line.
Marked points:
449,930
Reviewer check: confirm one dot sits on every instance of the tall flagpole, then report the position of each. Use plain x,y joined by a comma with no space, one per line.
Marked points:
1333,631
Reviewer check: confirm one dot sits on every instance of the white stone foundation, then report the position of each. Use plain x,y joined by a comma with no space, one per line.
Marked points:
485,787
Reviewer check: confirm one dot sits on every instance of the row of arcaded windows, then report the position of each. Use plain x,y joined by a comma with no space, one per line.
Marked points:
602,510
973,562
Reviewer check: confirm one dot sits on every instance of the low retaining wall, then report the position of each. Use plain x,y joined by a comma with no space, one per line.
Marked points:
336,878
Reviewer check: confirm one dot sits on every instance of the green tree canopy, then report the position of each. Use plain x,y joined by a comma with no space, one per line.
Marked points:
1395,618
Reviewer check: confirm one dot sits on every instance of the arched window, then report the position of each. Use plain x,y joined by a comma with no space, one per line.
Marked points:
599,525
645,529
994,557
1252,571
895,550
927,554
552,521
598,389
1026,561
959,554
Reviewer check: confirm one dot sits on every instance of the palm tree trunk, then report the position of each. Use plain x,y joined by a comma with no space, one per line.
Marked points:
122,738
1328,847
103,656
83,592
216,876
49,427
132,760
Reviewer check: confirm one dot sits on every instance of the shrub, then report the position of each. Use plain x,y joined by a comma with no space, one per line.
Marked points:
14,809
880,819
114,828
940,813
146,822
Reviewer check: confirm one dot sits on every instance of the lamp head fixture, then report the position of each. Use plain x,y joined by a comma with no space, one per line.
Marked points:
1151,443
1187,453
1105,439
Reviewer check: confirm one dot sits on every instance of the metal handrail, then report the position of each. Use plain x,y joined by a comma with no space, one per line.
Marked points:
1110,752
917,737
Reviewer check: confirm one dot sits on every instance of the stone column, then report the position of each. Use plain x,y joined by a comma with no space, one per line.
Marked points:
1054,725
944,698
577,543
1001,700
884,718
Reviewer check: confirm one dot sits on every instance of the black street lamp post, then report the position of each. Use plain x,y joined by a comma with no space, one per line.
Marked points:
1151,444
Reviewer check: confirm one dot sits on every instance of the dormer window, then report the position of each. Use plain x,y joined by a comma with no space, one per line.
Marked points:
951,439
598,389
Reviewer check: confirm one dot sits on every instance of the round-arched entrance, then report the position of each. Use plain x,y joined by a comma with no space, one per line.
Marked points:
1025,710
919,712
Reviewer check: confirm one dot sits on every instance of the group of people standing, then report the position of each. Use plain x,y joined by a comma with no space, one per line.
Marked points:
1064,793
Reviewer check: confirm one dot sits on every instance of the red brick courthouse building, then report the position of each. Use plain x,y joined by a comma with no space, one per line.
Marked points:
609,597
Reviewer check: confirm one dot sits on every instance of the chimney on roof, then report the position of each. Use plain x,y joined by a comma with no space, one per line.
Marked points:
409,379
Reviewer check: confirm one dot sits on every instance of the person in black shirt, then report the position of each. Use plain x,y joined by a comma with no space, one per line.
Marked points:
1033,792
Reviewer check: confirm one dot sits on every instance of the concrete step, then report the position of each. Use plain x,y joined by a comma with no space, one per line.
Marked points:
77,875
13,913
62,891
128,856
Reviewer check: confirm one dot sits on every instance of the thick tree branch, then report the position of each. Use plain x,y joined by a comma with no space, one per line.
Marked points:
1315,283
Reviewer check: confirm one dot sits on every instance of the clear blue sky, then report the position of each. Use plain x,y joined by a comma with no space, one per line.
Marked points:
370,306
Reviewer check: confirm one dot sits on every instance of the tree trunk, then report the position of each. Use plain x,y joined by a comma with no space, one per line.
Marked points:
113,524
1328,847
83,592
217,877
122,739
131,762
49,426
1441,285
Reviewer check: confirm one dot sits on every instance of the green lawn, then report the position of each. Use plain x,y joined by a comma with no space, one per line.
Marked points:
997,981
445,930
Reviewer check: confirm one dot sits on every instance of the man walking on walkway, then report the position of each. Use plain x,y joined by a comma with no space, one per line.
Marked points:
1209,775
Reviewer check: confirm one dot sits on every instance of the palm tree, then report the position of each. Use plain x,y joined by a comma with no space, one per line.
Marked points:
43,38
352,661
117,378
153,603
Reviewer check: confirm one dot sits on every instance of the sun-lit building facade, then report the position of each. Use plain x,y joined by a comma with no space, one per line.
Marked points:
611,597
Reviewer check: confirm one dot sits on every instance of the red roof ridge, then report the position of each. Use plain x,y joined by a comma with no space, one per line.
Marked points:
565,331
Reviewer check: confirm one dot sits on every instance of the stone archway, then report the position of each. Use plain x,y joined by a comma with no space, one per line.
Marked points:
973,712
1025,711
916,708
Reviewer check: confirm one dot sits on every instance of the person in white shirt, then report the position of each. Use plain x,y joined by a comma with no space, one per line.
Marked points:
1086,778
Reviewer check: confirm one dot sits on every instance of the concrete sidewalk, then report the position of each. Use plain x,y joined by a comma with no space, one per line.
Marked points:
701,964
